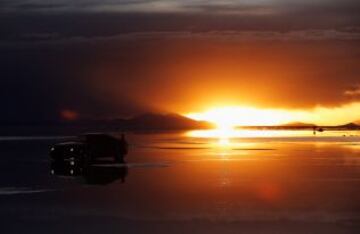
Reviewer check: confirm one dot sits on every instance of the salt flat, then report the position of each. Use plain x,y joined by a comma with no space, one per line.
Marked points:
176,183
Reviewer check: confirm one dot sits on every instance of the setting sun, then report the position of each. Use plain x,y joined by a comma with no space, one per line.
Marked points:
229,117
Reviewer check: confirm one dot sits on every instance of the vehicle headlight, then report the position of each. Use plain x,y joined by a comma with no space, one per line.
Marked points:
52,149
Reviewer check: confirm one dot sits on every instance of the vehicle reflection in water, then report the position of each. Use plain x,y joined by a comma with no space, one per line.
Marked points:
95,174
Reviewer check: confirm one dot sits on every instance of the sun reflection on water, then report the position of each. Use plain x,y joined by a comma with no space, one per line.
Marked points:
224,135
224,141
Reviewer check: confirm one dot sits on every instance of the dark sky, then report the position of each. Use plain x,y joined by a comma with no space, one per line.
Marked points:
117,58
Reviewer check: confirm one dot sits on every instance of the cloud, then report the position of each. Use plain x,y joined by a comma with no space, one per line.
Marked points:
125,74
257,7
352,34
39,6
90,6
353,92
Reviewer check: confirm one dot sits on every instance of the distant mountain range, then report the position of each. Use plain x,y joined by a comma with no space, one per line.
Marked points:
350,126
304,126
160,122
298,124
148,121
142,123
151,121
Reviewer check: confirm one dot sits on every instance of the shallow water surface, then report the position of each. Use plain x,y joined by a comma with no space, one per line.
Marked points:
176,183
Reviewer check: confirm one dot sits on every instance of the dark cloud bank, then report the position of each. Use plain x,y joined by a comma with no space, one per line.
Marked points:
105,64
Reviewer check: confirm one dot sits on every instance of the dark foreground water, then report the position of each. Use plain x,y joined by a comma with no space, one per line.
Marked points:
177,184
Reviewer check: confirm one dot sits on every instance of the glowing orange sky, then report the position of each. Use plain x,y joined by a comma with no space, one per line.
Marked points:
315,81
128,64
228,117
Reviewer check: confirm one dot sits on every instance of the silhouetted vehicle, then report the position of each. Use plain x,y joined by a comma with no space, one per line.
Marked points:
97,174
89,148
